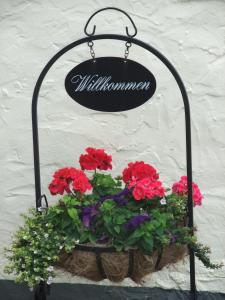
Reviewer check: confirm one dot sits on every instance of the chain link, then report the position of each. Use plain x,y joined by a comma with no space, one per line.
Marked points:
91,46
92,52
128,45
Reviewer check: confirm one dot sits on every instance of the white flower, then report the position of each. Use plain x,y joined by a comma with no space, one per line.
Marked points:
49,258
46,224
163,201
77,241
35,252
60,247
50,269
23,266
46,235
50,279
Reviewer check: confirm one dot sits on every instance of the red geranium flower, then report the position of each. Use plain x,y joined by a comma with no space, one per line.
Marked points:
181,188
81,183
143,178
146,188
63,178
139,170
58,186
95,159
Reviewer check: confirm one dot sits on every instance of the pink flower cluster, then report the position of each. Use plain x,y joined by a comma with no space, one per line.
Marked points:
146,188
143,178
181,188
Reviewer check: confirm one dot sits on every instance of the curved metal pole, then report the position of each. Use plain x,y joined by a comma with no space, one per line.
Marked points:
187,126
111,8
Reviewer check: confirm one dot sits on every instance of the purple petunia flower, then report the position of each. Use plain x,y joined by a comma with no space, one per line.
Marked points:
136,221
88,212
120,201
118,198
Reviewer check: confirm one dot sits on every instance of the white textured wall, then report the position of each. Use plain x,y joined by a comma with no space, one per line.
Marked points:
190,33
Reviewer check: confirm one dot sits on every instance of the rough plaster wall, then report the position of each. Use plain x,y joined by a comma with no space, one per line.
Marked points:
190,34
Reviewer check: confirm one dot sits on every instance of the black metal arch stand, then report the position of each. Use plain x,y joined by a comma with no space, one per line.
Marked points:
40,295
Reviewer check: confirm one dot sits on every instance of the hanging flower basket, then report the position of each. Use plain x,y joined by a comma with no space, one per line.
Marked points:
97,263
106,227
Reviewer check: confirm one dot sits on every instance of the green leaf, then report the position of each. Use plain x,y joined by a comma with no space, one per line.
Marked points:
159,231
72,212
84,236
107,205
132,241
67,199
148,244
107,219
110,230
74,201
138,233
119,219
117,229
65,223
92,238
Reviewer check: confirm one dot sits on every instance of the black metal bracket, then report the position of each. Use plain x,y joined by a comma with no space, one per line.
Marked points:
173,71
39,203
111,8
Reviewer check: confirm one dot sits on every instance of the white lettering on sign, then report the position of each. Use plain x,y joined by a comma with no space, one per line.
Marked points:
95,83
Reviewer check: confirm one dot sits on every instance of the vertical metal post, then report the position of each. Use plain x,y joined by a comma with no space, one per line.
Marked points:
36,148
190,196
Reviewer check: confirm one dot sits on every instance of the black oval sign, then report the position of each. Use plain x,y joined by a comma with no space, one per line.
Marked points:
110,84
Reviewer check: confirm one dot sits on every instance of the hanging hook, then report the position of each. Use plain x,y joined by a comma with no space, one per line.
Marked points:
114,8
41,208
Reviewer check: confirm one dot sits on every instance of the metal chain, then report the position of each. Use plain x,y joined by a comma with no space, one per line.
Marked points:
92,52
128,45
91,46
